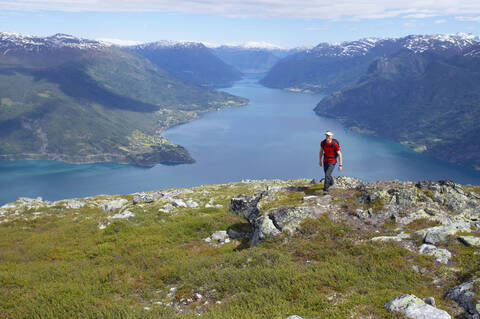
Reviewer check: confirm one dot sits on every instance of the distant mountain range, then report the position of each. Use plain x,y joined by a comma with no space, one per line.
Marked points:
253,57
79,100
191,61
425,94
330,67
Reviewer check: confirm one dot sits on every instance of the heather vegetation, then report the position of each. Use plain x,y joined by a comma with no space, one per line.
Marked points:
78,258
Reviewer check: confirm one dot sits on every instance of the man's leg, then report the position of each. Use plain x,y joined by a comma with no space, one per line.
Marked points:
328,168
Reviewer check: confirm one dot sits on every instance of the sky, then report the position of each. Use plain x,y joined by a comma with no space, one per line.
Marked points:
285,23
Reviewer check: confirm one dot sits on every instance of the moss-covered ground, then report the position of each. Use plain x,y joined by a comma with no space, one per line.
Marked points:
61,265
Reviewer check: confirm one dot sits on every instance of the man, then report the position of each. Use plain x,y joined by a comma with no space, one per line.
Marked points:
329,149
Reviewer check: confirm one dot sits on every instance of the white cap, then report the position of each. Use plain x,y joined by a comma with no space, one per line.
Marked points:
329,133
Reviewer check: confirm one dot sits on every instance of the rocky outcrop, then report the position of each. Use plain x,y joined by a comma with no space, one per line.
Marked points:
113,205
465,295
415,308
285,219
434,235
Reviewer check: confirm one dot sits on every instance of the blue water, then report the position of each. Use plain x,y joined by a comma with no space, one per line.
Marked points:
276,136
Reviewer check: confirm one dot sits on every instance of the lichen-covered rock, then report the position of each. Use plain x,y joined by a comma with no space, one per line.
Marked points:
123,215
437,234
246,206
441,255
415,308
465,294
143,198
288,219
263,228
113,205
470,240
74,204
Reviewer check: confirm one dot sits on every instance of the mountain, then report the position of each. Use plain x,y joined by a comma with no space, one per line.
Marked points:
426,96
79,100
190,61
331,67
252,57
251,249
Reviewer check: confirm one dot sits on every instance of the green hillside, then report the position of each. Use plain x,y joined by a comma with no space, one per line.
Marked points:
94,106
425,102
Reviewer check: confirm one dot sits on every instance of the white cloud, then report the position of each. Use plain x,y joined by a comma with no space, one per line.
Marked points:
440,21
467,18
419,15
308,9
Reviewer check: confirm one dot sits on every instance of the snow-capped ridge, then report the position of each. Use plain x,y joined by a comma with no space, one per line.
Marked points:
164,44
415,43
251,45
15,41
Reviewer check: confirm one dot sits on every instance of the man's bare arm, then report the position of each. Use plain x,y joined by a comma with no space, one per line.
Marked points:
340,159
320,157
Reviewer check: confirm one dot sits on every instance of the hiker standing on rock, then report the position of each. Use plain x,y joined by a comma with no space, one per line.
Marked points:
330,150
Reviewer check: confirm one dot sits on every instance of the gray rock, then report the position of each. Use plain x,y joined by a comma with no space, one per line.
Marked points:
178,203
263,228
192,204
294,317
235,234
434,235
219,235
123,215
441,255
470,240
166,208
246,206
143,198
464,294
415,308
287,219
73,204
114,205
429,301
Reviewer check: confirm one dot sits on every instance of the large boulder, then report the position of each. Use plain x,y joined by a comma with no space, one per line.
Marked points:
415,308
285,219
437,234
113,205
465,294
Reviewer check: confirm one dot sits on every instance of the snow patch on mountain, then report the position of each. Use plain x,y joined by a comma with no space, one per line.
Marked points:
442,42
168,44
119,42
415,43
252,45
15,41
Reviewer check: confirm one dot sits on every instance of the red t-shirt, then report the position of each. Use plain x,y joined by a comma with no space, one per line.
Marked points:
328,152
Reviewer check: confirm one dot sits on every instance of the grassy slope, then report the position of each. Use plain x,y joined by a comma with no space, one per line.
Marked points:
62,265
86,110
